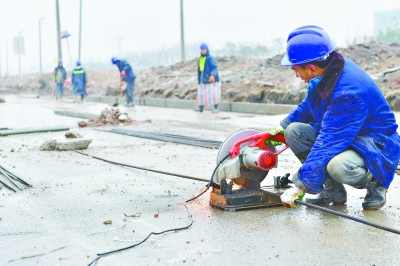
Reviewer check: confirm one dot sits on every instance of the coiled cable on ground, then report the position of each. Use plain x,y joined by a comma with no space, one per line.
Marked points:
100,255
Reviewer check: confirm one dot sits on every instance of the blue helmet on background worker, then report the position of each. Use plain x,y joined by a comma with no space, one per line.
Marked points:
114,60
307,44
60,61
78,63
203,46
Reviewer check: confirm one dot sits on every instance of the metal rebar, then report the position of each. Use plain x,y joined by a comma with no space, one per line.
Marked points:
310,205
13,176
12,182
7,186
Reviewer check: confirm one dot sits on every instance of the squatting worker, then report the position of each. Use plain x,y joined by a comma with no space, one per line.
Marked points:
128,76
343,132
209,90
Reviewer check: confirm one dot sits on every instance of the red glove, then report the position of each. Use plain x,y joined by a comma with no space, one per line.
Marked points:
211,79
121,84
123,73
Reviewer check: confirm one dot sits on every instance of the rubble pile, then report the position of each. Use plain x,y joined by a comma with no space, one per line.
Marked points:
109,117
243,79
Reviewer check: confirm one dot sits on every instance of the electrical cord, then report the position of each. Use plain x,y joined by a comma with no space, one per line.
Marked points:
100,255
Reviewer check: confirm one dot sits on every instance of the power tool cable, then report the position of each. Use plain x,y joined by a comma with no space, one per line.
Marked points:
100,255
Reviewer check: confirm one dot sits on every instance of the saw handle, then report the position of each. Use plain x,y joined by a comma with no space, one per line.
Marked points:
259,141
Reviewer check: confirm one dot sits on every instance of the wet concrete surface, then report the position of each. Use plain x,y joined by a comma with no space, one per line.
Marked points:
73,195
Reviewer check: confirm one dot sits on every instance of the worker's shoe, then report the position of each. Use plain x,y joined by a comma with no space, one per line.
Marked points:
375,197
334,193
129,104
200,109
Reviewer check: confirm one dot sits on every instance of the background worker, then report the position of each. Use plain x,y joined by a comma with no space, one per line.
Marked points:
128,76
343,132
60,75
209,90
79,82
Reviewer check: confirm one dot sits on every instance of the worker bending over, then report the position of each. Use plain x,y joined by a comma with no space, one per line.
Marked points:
128,76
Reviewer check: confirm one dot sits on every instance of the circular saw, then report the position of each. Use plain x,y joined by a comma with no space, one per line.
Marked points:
244,160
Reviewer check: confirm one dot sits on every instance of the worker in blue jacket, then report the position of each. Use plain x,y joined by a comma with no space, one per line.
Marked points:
128,76
209,90
60,75
79,82
343,132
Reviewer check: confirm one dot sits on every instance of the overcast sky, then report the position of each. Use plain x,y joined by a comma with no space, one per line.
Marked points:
153,24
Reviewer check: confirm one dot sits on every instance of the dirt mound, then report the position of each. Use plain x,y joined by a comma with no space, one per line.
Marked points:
243,79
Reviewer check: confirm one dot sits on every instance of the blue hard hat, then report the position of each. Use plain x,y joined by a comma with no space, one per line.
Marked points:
307,44
60,61
203,46
114,59
78,63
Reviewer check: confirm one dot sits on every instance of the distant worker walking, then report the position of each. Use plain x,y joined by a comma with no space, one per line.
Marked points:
79,81
209,90
128,76
60,75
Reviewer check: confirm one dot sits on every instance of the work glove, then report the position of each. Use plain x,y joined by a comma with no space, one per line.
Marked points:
290,195
273,142
123,73
211,79
121,84
276,130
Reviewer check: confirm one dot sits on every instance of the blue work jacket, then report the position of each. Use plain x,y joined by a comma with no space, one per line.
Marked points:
62,77
79,80
129,74
356,116
210,68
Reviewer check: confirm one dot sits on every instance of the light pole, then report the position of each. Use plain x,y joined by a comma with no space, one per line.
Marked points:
80,29
19,56
182,35
0,61
40,44
7,58
58,31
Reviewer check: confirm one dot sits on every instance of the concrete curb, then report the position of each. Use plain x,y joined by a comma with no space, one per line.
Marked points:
241,107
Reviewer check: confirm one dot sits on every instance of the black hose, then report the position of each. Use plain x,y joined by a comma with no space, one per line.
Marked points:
142,168
99,255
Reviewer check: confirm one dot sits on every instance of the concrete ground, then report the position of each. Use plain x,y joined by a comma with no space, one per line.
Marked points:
59,221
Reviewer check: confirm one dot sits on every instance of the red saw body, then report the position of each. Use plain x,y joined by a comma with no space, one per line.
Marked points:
257,157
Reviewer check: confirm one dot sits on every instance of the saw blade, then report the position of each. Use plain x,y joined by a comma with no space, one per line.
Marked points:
251,174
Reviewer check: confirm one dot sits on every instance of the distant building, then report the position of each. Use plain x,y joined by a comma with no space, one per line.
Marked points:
385,20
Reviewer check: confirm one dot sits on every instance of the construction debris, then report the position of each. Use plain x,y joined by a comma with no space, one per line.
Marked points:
72,145
109,117
48,145
72,135
107,222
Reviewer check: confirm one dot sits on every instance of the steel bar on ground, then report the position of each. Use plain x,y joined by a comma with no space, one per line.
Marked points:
211,144
6,175
17,178
32,130
7,186
395,231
